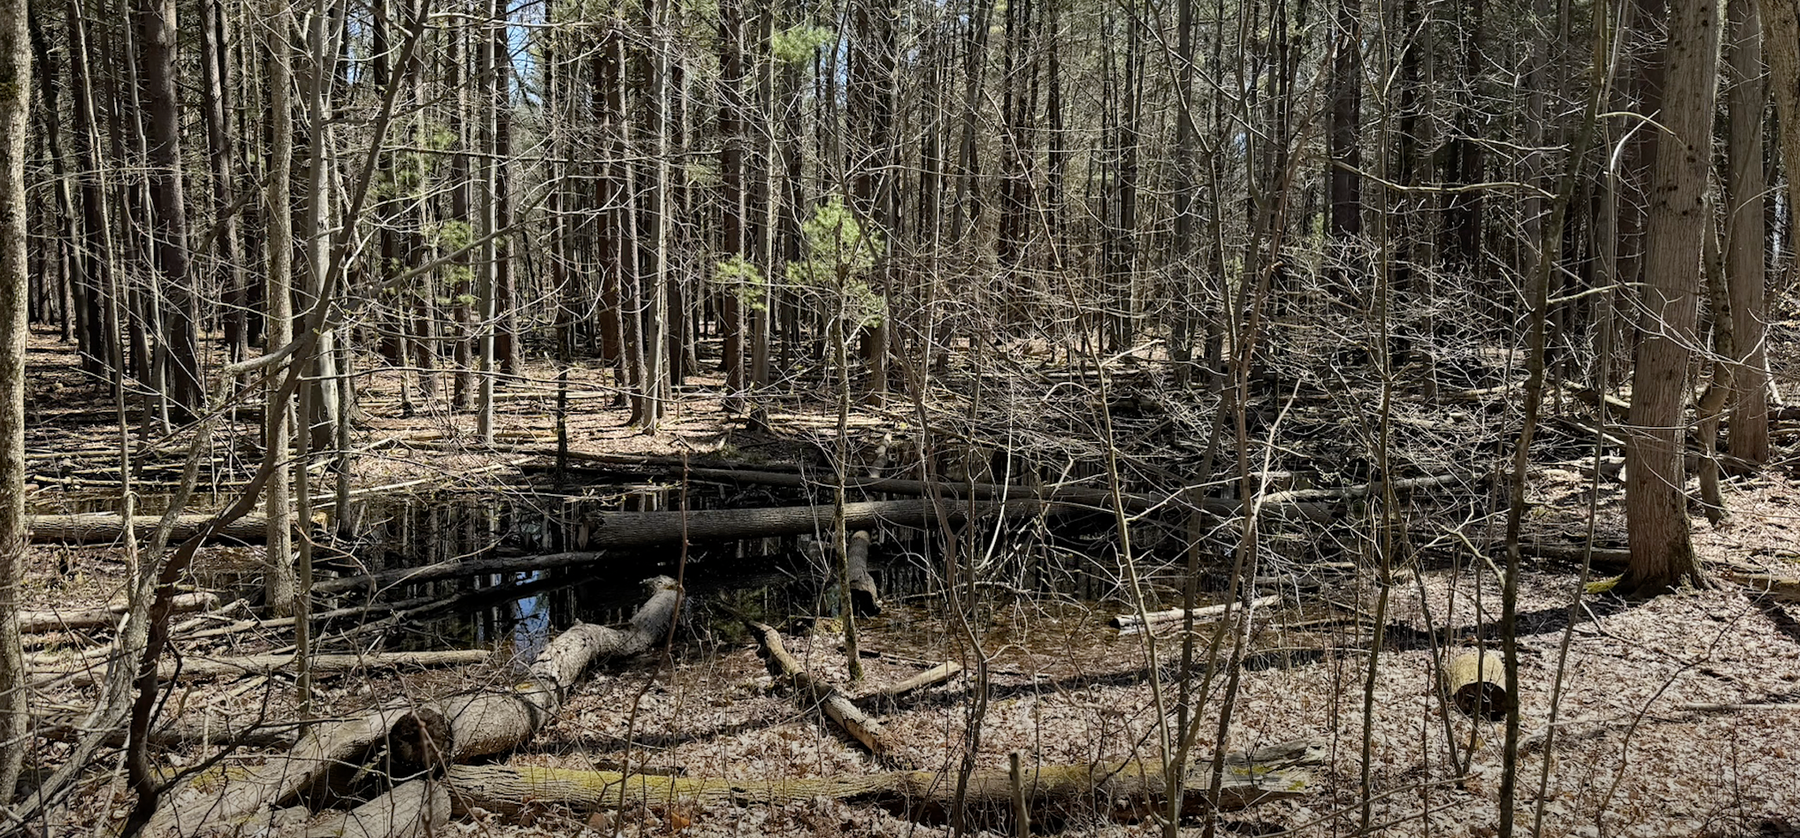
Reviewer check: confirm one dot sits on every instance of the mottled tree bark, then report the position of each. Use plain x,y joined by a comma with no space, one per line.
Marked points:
1662,551
15,114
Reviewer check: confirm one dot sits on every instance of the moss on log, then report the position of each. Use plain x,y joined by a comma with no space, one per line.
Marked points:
1125,791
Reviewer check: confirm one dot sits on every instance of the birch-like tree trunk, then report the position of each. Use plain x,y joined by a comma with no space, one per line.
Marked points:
15,115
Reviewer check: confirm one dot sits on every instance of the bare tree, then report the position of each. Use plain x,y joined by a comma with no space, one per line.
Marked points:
1662,552
15,113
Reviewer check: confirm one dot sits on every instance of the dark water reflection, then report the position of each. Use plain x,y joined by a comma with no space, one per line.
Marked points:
776,580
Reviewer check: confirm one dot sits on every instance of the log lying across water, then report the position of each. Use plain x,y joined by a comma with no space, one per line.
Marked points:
1126,791
1304,503
638,529
475,723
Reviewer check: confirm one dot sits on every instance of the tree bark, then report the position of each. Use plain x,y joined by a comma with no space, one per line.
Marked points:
1781,50
1747,230
15,116
1662,552
156,42
278,426
865,599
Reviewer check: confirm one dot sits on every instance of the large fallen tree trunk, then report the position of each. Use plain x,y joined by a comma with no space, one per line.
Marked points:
638,529
1126,791
195,667
105,616
108,527
1309,503
478,724
815,693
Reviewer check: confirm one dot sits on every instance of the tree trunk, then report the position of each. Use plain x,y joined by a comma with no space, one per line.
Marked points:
278,213
1662,553
156,42
1781,49
15,116
1747,229
216,96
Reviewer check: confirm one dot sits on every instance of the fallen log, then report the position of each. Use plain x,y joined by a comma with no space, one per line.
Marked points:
638,529
106,616
929,678
108,527
1305,503
480,724
194,667
414,809
813,692
1133,621
865,600
1125,791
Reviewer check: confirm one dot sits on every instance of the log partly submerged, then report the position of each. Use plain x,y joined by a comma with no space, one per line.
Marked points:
638,529
1125,791
478,723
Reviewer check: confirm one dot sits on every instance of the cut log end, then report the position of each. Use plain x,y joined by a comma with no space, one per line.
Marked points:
1476,682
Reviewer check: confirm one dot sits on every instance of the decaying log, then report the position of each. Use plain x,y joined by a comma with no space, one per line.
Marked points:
105,616
194,667
813,692
1133,621
638,529
929,678
106,527
865,600
1780,589
1126,791
1476,682
414,809
481,723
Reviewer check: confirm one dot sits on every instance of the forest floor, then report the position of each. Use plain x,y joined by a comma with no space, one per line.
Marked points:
1678,715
